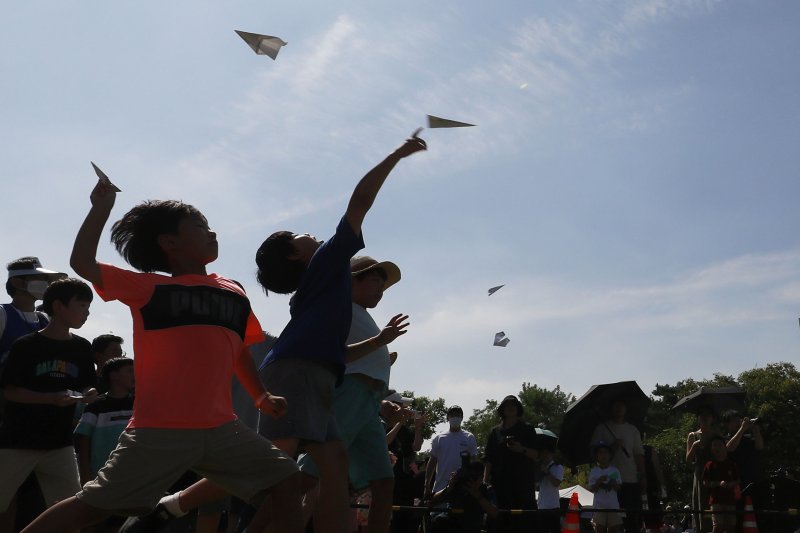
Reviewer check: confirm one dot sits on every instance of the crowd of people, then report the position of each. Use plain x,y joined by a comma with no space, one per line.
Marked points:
309,417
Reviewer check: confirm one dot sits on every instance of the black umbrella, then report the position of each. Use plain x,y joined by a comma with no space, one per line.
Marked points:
593,408
718,399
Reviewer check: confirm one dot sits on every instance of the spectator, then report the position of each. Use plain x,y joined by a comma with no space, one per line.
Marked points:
552,474
511,466
467,500
698,453
47,373
105,347
628,456
605,481
745,443
447,450
405,440
721,477
26,283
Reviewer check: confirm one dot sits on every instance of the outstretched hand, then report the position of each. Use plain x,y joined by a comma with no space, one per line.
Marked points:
412,145
396,327
103,196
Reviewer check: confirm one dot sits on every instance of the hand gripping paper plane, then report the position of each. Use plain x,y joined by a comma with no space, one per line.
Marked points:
263,44
104,179
500,339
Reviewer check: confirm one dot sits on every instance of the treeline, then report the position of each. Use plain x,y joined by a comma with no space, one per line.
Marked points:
772,396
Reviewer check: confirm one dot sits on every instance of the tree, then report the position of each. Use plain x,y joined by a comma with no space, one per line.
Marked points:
540,406
434,411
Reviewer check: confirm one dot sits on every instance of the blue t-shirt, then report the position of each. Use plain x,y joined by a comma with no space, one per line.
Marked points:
321,308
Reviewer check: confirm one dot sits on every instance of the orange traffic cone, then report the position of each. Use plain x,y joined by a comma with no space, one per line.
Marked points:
571,520
749,522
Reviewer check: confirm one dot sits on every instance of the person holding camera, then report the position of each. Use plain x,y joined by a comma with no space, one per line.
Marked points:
744,443
511,466
467,500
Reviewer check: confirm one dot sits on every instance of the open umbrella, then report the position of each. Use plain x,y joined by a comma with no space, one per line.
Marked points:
718,399
591,409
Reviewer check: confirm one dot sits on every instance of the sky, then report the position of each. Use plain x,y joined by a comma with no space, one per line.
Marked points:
632,178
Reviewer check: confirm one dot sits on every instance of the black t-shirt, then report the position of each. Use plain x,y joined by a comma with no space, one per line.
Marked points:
511,470
42,364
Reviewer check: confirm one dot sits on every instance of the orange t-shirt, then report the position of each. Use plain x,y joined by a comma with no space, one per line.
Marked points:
187,333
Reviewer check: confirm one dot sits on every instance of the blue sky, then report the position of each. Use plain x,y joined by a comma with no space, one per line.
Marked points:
632,179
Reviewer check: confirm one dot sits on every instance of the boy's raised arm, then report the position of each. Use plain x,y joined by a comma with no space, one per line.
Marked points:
367,189
84,252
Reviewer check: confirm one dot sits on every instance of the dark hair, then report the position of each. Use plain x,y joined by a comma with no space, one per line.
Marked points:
506,401
114,364
101,342
23,263
64,290
455,409
276,272
135,235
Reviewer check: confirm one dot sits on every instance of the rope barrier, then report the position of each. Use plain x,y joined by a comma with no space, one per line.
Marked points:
426,509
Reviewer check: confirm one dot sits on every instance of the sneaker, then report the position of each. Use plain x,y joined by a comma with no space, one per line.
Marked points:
149,523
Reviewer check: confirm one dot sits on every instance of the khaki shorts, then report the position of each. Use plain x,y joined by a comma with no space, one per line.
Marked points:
723,515
56,470
148,460
607,519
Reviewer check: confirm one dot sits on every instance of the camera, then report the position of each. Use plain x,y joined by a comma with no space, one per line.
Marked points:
464,472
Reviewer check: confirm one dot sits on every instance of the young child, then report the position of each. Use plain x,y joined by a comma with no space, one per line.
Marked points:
43,376
604,481
552,476
722,479
308,359
191,332
104,420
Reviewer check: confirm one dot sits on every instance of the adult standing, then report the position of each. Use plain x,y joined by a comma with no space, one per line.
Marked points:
510,466
447,450
26,283
628,456
698,453
744,442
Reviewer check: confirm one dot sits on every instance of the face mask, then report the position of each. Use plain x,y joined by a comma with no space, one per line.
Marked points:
36,288
454,421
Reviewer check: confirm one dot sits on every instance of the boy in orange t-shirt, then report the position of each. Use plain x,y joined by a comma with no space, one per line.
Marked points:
188,324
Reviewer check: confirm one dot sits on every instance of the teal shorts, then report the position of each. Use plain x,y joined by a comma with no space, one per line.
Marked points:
363,435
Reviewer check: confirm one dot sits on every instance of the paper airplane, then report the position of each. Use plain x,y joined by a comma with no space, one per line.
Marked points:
104,179
500,339
263,44
437,122
495,289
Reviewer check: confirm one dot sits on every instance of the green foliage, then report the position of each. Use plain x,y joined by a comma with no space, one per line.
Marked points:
772,395
435,412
